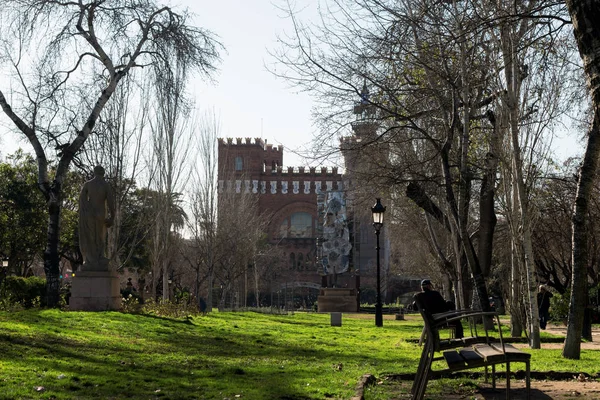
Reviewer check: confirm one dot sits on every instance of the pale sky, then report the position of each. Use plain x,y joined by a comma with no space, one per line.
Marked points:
248,100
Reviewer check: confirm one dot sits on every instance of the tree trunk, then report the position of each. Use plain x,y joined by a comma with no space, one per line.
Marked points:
511,97
487,211
585,15
51,258
165,283
516,320
256,282
577,305
209,295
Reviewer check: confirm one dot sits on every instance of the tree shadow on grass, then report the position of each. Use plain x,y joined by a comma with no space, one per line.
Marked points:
165,359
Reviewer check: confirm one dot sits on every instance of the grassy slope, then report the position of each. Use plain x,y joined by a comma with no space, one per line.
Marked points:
75,355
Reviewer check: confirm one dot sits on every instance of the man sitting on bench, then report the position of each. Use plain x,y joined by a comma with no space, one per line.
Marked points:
434,303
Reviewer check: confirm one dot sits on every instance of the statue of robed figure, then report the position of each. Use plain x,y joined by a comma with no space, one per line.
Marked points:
96,214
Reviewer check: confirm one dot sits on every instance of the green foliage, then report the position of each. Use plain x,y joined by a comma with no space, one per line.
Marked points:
69,217
25,292
23,219
559,306
23,214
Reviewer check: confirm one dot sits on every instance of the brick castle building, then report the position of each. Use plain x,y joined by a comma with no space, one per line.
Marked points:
296,199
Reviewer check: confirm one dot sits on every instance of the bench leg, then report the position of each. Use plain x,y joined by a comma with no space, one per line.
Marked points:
419,373
527,380
422,375
507,381
493,376
421,381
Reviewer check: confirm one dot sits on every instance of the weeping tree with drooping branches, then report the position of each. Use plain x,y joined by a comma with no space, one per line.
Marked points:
63,60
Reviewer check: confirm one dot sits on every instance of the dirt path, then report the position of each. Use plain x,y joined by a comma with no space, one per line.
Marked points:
578,387
540,390
575,388
561,330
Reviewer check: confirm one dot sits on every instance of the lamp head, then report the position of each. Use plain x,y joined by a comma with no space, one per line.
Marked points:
378,210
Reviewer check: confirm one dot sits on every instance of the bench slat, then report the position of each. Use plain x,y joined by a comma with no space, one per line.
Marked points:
472,358
454,360
512,352
489,353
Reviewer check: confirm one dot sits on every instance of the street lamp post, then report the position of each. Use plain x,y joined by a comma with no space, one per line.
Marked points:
378,210
4,267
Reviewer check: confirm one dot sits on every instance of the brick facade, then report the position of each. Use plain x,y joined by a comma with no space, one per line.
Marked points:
289,194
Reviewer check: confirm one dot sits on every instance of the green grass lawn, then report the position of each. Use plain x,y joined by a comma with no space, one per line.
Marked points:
52,354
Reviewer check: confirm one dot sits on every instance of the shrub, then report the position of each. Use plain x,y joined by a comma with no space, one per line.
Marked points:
559,306
131,304
166,308
24,291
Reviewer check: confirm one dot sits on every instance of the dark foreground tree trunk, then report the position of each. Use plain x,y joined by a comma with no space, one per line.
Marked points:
585,15
579,287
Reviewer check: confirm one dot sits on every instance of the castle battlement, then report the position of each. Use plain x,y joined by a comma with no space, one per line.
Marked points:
311,171
256,157
242,142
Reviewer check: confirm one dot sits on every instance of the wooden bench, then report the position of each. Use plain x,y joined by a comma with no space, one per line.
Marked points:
474,351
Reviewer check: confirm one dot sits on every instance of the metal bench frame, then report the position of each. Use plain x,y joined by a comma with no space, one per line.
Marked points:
470,352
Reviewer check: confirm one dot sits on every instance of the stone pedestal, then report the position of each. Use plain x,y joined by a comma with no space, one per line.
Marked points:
95,291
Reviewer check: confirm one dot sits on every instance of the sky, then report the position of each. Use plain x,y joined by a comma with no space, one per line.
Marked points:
248,100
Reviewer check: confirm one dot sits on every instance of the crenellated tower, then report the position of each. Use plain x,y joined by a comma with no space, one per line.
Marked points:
289,194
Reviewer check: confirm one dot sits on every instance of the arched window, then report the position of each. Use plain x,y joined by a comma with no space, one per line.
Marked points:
297,225
300,262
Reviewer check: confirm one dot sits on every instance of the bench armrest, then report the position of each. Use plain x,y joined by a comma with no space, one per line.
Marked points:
440,319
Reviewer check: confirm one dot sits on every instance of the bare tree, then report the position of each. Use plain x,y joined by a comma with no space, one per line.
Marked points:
429,88
171,139
227,228
447,83
118,145
67,59
585,14
240,227
529,97
203,199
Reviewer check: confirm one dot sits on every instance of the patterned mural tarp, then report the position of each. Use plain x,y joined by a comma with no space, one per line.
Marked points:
335,246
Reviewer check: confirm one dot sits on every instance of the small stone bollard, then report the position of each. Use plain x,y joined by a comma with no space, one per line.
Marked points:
400,315
336,319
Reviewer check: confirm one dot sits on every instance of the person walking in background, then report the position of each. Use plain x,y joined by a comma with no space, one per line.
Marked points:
543,299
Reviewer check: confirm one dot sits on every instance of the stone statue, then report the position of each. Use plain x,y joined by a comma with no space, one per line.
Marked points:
95,196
